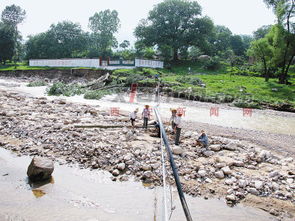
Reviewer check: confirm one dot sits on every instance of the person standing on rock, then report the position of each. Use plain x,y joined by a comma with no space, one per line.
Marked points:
172,119
203,140
146,116
177,129
133,116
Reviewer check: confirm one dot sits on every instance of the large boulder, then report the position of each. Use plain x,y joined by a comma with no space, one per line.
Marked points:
40,169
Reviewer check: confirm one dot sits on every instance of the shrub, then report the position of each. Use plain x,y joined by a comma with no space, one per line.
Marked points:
212,64
190,80
96,94
64,89
36,84
241,71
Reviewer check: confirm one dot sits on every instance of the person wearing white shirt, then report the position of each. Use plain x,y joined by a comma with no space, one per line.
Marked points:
178,126
133,116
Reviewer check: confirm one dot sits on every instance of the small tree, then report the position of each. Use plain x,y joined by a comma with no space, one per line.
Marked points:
262,50
282,35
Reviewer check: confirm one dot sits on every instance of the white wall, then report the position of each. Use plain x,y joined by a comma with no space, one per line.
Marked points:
149,63
76,62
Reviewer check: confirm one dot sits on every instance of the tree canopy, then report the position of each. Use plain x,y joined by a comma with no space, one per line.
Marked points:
176,24
103,26
13,15
65,39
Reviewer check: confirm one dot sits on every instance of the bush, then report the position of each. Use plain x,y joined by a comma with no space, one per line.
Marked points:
36,84
243,71
212,64
96,94
63,89
190,80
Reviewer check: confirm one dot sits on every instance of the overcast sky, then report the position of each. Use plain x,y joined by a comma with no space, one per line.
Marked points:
240,16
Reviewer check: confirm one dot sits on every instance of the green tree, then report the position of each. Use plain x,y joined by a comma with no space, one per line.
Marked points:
125,44
262,51
174,23
237,45
221,40
282,36
262,32
104,25
63,40
7,43
12,16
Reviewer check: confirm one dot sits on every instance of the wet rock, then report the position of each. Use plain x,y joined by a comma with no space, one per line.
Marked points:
274,212
226,170
231,197
274,174
258,184
40,169
177,150
94,165
264,155
202,173
147,175
289,160
230,181
243,183
215,147
121,166
220,165
146,167
208,180
60,101
230,146
188,134
238,164
208,153
128,157
253,191
116,172
219,174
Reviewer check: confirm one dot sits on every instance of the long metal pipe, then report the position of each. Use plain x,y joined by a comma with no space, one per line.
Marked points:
173,166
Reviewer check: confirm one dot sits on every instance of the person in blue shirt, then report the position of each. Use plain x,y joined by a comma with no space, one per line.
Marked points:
203,140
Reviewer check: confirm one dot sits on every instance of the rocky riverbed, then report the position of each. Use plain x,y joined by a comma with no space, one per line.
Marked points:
238,170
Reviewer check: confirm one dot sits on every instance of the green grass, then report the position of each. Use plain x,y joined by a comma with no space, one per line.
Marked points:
244,89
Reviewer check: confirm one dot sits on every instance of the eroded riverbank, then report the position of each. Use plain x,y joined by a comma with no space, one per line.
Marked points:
235,169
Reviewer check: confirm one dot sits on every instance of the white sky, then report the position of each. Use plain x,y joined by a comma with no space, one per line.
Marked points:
240,16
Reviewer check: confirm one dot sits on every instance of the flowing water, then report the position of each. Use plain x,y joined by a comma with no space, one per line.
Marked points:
260,120
75,194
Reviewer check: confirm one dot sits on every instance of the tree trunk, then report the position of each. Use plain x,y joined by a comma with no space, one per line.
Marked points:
283,77
175,54
266,71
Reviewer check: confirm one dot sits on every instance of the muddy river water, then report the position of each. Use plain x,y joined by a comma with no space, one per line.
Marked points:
80,194
75,195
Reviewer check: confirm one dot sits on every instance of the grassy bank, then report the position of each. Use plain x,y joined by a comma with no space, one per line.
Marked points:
192,81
